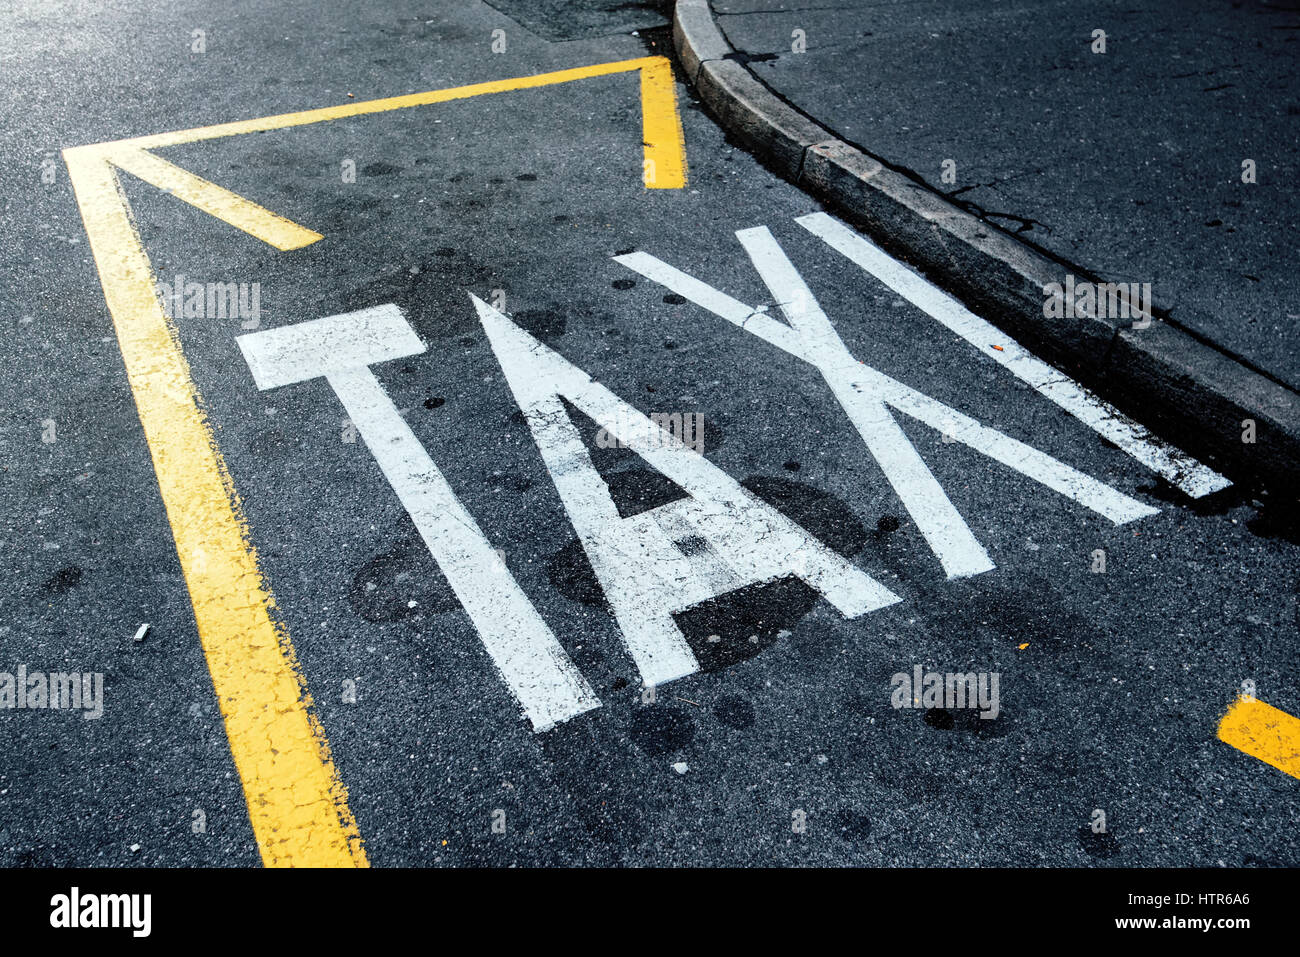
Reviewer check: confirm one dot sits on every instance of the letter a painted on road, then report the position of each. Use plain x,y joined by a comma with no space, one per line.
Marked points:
646,576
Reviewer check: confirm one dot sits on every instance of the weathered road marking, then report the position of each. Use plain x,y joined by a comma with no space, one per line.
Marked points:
865,392
646,576
212,199
661,127
296,803
663,146
1263,732
1177,467
342,348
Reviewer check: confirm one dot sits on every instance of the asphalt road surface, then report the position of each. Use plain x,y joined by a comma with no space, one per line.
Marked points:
466,530
1125,154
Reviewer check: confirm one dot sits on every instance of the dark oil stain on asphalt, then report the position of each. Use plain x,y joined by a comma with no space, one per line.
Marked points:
1103,845
570,572
639,490
735,712
65,579
432,296
739,625
1031,609
854,826
634,489
939,718
590,766
514,483
967,720
589,762
821,514
544,324
383,588
659,730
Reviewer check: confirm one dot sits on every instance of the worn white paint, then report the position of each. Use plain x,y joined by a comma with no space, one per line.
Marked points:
953,543
737,538
341,348
1179,468
864,393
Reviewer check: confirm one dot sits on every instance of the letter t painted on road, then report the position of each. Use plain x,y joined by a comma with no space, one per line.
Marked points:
341,349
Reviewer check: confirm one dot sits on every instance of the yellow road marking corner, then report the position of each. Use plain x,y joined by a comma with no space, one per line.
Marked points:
297,803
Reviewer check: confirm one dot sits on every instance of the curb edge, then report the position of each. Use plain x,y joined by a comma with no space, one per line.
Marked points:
1163,370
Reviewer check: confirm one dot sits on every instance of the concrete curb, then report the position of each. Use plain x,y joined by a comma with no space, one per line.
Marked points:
1186,389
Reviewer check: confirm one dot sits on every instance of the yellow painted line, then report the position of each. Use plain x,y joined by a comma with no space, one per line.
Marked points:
296,802
665,146
1263,732
660,122
221,203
